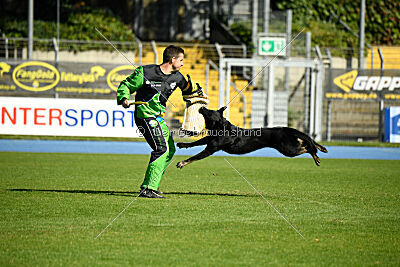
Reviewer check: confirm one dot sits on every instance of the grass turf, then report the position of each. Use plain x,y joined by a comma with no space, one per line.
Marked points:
54,205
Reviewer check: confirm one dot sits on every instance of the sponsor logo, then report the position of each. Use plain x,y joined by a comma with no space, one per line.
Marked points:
117,75
36,76
153,83
173,85
93,76
4,68
346,81
153,123
352,81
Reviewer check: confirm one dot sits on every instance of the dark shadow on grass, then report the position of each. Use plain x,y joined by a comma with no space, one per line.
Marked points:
128,193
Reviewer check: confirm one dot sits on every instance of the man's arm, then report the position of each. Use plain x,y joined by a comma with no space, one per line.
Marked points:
128,86
186,86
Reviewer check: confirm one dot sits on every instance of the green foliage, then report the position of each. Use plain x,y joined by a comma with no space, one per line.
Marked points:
78,26
382,22
382,18
82,27
12,27
327,34
243,31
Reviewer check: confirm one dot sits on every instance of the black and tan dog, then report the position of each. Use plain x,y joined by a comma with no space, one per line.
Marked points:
222,135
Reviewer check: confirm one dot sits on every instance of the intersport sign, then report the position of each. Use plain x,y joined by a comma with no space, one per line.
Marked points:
65,117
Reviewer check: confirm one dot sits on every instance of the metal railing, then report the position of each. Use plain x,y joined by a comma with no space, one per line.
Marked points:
68,50
75,50
144,53
215,67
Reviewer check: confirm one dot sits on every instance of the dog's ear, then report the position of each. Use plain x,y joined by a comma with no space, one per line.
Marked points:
221,110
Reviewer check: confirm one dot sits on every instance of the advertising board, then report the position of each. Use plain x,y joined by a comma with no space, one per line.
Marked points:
64,78
65,117
363,85
392,124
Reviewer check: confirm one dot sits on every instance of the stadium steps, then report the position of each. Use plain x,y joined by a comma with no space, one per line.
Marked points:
391,56
194,65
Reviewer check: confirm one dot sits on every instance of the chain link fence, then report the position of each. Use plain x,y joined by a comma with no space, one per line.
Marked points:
342,119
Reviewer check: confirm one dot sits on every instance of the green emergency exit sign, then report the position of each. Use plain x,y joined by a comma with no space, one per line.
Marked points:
271,46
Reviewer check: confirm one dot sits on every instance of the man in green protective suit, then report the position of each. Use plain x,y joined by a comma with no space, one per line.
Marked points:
153,85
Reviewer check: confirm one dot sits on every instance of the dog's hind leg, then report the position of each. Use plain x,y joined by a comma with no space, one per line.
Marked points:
302,148
316,159
320,147
200,142
309,146
203,154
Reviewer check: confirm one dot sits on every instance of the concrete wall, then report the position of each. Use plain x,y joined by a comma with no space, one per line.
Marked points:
113,57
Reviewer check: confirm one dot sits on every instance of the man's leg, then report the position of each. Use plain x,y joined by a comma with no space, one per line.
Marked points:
158,141
170,142
166,158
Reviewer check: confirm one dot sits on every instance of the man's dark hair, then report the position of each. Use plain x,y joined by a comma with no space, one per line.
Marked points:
170,52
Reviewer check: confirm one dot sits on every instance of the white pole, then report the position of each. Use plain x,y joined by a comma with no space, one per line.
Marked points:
361,36
307,85
58,21
228,87
221,79
266,15
221,76
319,102
30,29
254,34
270,105
255,23
312,103
288,39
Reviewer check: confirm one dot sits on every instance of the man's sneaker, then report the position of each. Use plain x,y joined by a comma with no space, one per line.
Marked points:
150,193
156,194
159,192
144,192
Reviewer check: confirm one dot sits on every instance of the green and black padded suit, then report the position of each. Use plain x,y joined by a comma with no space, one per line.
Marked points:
153,87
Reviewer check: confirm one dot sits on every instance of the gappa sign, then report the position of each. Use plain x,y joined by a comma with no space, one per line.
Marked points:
364,85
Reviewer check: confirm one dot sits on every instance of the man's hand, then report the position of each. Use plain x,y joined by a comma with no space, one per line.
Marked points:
199,90
125,103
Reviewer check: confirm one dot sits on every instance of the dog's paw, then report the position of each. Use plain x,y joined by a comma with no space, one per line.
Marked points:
182,145
317,160
180,165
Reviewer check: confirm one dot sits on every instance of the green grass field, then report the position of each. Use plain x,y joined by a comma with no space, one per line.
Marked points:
54,205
